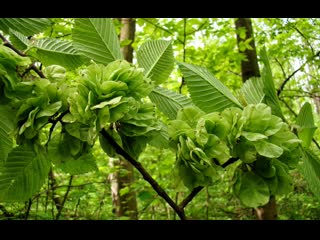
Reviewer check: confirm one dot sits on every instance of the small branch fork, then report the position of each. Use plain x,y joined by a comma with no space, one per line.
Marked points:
22,54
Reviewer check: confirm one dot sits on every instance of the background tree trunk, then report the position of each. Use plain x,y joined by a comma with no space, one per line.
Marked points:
250,68
123,177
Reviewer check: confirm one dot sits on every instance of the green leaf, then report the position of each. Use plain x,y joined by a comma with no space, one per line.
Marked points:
251,136
49,110
206,91
159,139
285,184
26,26
55,73
156,57
310,169
79,130
134,146
190,115
252,90
18,40
306,123
177,128
106,146
264,167
84,164
23,173
271,97
96,38
168,101
58,52
258,117
7,119
253,191
267,149
246,151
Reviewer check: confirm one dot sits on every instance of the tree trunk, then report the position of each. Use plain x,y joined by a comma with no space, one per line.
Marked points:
124,204
250,68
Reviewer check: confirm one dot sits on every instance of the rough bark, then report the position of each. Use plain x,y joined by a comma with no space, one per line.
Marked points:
250,68
316,100
124,204
268,211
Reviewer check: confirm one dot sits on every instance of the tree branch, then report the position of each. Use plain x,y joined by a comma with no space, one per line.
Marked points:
281,66
288,78
229,162
162,28
305,38
294,72
188,199
28,209
144,173
22,54
65,197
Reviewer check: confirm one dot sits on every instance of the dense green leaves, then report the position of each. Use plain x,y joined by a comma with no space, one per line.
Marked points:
96,38
253,135
206,91
156,57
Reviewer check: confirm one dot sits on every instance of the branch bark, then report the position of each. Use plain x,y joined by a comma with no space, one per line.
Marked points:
22,54
145,174
65,197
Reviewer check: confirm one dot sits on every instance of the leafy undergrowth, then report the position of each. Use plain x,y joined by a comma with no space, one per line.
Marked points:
90,198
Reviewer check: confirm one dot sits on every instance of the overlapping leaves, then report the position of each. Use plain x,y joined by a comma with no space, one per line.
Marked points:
262,141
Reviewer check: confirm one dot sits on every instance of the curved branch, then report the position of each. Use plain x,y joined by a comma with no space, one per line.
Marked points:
288,78
188,199
22,54
144,173
162,28
294,72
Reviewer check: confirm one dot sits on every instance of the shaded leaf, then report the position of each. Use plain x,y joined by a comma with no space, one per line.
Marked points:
253,191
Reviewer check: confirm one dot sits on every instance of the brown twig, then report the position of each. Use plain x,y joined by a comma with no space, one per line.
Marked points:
22,54
161,192
294,72
65,197
28,209
188,199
